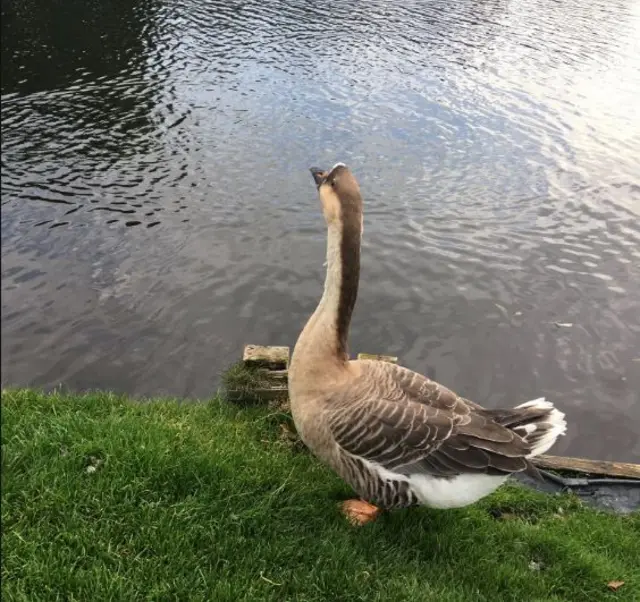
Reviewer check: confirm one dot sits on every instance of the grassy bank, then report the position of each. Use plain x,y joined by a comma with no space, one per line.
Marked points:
103,499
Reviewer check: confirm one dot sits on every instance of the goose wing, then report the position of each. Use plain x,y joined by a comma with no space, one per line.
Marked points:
407,423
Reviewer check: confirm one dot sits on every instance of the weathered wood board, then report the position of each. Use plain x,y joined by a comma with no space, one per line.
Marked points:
263,394
583,465
273,358
275,376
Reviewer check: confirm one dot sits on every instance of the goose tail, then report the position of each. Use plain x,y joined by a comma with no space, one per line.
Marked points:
541,424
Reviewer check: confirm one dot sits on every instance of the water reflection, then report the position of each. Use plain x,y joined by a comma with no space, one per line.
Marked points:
78,110
158,214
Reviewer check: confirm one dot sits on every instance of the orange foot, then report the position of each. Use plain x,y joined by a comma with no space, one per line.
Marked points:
359,512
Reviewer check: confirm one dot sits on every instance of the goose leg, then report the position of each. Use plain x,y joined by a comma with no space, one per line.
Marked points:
359,512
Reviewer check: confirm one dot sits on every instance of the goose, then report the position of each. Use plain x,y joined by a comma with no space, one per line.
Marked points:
395,436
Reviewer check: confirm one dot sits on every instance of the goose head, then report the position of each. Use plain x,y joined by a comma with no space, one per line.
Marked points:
339,194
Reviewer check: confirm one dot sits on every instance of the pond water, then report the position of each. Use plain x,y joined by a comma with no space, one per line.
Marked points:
158,212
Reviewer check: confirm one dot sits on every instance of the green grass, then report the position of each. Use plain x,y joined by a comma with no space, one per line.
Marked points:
105,499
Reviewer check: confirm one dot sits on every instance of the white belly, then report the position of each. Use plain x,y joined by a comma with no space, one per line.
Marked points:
452,492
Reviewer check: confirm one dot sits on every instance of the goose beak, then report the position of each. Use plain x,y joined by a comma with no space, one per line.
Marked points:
318,175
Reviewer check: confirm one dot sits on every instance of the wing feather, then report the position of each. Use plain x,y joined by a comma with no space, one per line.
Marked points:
405,422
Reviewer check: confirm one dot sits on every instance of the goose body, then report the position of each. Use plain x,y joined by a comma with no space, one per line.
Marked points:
396,437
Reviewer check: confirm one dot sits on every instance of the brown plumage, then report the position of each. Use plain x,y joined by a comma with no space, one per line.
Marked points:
397,437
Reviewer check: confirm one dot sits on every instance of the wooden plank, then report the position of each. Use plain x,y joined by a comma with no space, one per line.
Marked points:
276,376
275,358
263,394
582,465
271,393
392,359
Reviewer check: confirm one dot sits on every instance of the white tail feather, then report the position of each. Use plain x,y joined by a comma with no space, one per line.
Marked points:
546,430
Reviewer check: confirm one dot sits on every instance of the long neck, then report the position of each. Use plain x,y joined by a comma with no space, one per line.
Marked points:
327,331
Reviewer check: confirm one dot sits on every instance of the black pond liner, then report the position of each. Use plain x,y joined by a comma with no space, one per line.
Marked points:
614,494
